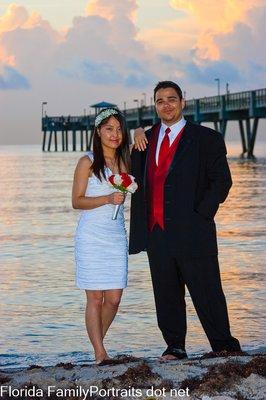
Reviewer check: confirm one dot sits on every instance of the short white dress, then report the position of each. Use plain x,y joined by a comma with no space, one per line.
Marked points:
101,247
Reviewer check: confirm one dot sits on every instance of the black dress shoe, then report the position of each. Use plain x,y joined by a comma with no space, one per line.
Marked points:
176,352
230,345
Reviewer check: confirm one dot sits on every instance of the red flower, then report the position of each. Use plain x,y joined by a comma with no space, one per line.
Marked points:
123,182
111,179
126,180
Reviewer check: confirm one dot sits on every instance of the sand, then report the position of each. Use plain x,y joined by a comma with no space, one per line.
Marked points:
211,377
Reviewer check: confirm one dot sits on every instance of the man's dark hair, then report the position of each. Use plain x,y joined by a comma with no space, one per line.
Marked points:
168,84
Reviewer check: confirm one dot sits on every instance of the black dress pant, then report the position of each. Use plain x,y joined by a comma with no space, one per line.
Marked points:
170,273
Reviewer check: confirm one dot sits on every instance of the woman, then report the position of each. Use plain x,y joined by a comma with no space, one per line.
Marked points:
101,249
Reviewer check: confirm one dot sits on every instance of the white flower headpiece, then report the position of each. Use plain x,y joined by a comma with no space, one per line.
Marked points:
104,114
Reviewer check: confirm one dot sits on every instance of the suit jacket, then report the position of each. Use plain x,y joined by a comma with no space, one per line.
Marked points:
198,181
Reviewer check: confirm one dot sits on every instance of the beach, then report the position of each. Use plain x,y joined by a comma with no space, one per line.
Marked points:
226,377
181,67
42,311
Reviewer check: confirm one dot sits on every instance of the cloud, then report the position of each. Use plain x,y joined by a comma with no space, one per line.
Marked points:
220,16
176,35
122,32
25,37
217,18
17,16
212,39
115,9
139,80
108,60
202,73
207,73
5,58
11,79
104,55
139,76
100,73
243,46
246,39
167,59
132,75
93,72
14,17
96,49
257,68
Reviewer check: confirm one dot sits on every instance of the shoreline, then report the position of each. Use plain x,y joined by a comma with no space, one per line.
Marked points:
233,147
222,376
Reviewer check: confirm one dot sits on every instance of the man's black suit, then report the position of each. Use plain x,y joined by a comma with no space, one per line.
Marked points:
185,252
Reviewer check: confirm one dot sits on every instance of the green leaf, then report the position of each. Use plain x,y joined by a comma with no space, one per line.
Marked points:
120,188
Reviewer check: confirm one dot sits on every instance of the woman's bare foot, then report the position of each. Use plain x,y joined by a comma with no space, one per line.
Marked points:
99,358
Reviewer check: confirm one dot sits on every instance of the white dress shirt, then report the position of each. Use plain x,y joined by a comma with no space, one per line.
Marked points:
175,130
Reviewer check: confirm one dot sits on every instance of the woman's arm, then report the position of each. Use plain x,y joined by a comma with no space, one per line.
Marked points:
80,183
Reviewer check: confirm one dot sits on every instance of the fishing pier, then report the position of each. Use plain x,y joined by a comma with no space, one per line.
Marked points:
75,133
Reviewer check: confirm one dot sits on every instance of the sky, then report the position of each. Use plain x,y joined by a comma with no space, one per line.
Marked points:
72,54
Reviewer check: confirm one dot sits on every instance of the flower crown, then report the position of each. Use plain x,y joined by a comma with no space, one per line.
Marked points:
104,114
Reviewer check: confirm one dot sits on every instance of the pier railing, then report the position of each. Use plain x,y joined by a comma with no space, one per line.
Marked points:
66,123
229,102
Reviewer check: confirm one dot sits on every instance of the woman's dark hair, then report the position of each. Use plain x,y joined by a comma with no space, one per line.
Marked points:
122,152
167,84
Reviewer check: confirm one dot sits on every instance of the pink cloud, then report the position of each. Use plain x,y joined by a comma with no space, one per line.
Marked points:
17,26
112,9
14,17
214,18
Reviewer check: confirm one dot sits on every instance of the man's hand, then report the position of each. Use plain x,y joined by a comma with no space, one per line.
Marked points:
140,139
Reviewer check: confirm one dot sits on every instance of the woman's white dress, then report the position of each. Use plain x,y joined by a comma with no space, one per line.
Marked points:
101,248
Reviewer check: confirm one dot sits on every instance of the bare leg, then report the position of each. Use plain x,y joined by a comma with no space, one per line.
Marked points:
110,306
93,319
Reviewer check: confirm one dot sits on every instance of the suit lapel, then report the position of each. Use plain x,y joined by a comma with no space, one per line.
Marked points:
151,150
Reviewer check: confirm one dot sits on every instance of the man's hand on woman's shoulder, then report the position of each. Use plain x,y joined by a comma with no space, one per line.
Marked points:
140,139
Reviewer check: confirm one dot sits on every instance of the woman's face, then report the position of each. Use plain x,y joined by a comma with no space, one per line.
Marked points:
111,134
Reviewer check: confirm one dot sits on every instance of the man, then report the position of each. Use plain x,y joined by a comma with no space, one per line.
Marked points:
183,176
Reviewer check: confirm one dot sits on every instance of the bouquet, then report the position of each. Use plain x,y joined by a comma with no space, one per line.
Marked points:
123,182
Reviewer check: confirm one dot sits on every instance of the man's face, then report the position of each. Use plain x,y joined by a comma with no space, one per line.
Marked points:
168,105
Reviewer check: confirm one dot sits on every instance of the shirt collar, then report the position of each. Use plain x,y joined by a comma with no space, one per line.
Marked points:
175,127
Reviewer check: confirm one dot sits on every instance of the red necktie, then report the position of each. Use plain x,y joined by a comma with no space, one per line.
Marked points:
164,146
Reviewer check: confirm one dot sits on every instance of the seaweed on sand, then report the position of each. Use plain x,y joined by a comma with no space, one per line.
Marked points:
224,376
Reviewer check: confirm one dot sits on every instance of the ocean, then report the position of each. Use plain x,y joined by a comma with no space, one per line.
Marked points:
41,310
